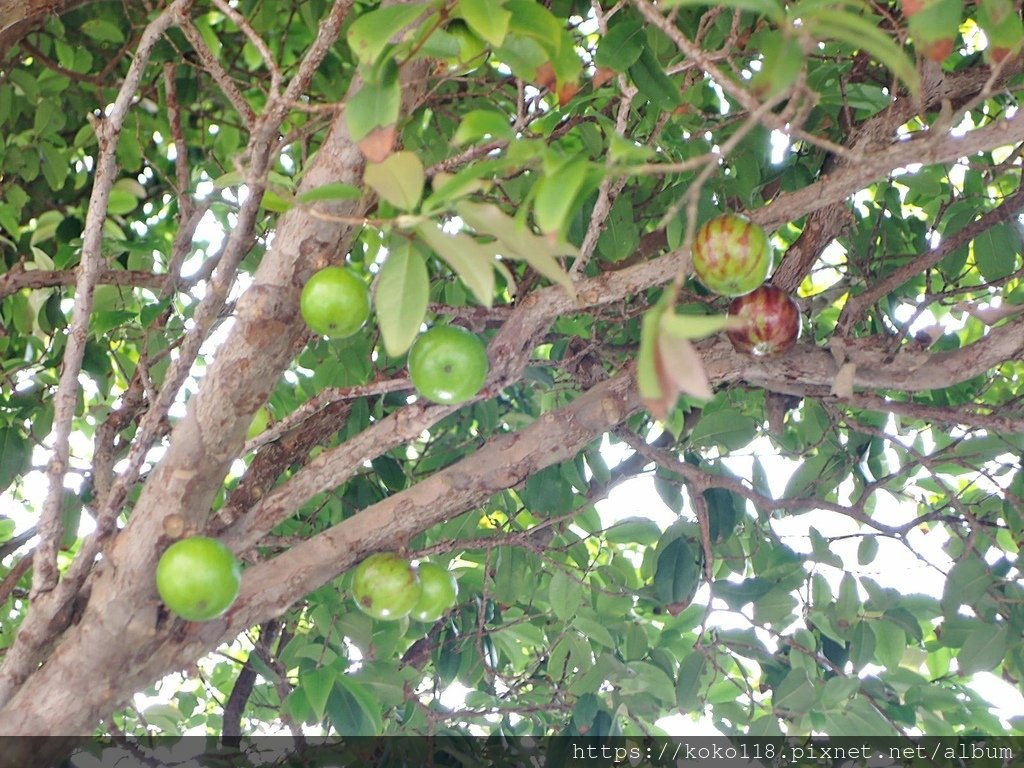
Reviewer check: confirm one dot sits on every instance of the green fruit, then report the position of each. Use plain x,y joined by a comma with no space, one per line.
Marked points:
198,578
731,255
335,302
439,590
448,364
386,586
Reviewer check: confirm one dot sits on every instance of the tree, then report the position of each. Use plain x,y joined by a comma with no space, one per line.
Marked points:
172,174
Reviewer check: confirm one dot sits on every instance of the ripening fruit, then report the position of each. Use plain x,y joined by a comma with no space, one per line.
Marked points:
448,364
335,302
198,578
386,586
731,255
769,322
438,593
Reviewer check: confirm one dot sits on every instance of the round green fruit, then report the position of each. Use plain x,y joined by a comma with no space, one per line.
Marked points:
731,255
335,302
198,578
386,586
448,365
438,593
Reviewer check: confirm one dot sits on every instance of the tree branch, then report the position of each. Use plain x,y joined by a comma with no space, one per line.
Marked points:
107,131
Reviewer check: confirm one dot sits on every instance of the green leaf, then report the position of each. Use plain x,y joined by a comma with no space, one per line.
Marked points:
565,594
620,237
676,573
967,581
557,195
532,22
795,694
782,63
103,31
860,718
277,201
647,378
622,46
996,251
374,105
365,700
770,8
831,23
816,475
482,124
867,549
402,294
121,202
487,18
726,428
692,326
890,643
331,191
70,518
54,166
370,32
472,261
862,645
399,179
594,630
690,682
516,241
15,453
318,683
838,691
984,648
650,78
633,530
643,678
725,509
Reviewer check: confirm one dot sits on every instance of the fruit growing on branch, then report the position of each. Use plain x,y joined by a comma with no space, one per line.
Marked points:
438,594
448,364
198,578
731,255
386,586
335,302
768,322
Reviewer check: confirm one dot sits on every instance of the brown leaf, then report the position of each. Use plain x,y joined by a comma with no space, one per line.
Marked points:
546,77
565,93
680,369
601,76
377,145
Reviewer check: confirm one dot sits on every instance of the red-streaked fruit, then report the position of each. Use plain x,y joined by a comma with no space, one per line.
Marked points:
448,364
731,255
386,586
769,322
198,578
438,594
335,302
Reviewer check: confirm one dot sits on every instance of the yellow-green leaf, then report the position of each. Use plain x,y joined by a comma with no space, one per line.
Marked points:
472,261
403,289
399,179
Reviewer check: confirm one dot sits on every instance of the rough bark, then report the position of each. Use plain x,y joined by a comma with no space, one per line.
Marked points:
19,17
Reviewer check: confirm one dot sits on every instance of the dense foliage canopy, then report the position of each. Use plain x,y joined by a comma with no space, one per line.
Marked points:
834,542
